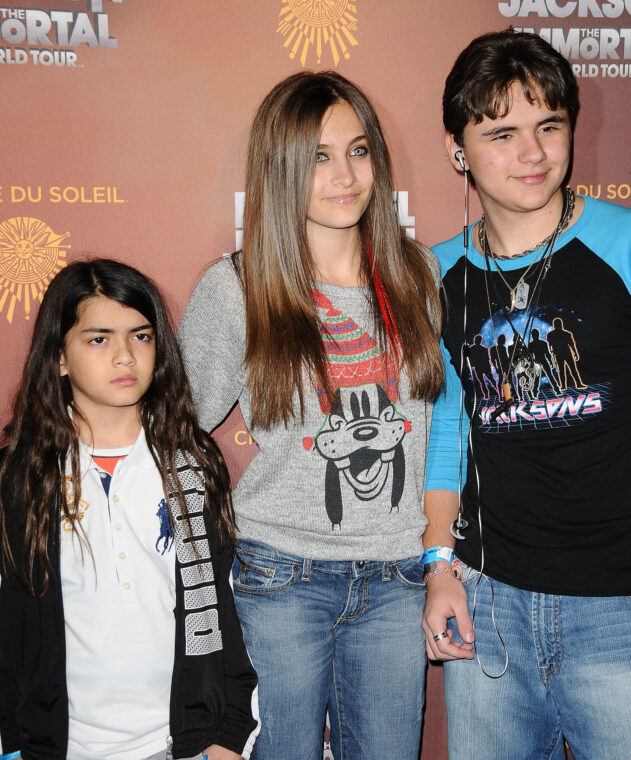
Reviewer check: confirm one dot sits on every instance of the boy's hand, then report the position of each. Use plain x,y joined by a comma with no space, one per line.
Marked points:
446,598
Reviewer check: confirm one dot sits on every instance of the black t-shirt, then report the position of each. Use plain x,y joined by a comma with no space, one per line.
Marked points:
554,470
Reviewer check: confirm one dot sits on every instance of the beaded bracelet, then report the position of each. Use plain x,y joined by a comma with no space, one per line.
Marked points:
454,569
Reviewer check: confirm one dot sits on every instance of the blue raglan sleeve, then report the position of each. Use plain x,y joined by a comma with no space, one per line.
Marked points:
444,452
450,424
608,235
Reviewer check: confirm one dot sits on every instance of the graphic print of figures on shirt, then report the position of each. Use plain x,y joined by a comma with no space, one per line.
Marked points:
362,433
546,386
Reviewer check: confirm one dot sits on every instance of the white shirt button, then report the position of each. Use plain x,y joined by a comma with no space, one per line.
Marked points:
116,498
118,526
122,555
127,585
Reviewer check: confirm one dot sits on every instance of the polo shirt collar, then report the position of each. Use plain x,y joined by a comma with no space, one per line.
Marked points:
139,455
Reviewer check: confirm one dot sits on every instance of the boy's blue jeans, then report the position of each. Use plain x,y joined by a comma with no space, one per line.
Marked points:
569,673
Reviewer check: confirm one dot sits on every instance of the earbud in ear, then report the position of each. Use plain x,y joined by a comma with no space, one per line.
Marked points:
459,156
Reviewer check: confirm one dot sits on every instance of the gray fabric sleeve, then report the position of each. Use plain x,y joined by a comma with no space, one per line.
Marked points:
212,339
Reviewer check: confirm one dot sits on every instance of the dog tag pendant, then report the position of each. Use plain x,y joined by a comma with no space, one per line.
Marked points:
521,294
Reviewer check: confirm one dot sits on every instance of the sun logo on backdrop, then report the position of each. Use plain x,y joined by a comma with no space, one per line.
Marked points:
31,254
318,25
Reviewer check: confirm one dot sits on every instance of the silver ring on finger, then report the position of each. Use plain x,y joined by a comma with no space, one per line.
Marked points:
440,636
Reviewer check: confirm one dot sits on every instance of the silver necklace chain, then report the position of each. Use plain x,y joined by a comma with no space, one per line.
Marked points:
563,223
519,293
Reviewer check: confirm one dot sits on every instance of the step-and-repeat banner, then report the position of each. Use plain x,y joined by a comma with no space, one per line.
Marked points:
125,122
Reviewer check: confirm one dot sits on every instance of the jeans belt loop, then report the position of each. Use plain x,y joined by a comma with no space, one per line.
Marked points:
387,571
306,570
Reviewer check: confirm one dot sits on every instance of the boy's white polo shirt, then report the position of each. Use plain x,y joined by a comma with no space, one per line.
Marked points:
119,600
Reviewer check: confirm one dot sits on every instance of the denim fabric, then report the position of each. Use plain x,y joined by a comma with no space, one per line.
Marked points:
342,636
569,674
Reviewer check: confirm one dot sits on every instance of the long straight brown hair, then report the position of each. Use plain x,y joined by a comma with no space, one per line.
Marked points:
276,267
43,437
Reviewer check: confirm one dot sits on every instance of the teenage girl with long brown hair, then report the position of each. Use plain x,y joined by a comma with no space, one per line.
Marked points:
118,634
325,328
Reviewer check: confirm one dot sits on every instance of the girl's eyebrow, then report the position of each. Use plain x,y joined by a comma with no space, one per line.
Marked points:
108,330
354,140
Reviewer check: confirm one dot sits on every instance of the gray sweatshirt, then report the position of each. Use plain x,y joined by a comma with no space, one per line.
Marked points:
345,484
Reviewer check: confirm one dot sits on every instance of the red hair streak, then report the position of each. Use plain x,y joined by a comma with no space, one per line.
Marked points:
392,331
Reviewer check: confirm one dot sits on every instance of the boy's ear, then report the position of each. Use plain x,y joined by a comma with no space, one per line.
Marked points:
455,153
62,365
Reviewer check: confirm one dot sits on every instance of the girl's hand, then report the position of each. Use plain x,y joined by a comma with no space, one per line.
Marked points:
215,752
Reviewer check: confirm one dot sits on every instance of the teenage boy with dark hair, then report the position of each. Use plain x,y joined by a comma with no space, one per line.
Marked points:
543,526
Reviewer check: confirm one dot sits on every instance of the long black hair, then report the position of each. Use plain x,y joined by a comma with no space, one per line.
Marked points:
43,437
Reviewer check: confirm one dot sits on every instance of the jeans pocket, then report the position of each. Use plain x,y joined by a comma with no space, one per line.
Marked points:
469,574
409,572
252,574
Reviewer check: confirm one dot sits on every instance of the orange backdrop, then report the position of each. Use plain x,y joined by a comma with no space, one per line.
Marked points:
124,128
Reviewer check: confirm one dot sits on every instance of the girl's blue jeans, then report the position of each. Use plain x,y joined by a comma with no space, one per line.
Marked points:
342,636
569,674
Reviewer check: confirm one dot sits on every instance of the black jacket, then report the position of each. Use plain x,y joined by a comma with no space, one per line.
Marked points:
211,692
